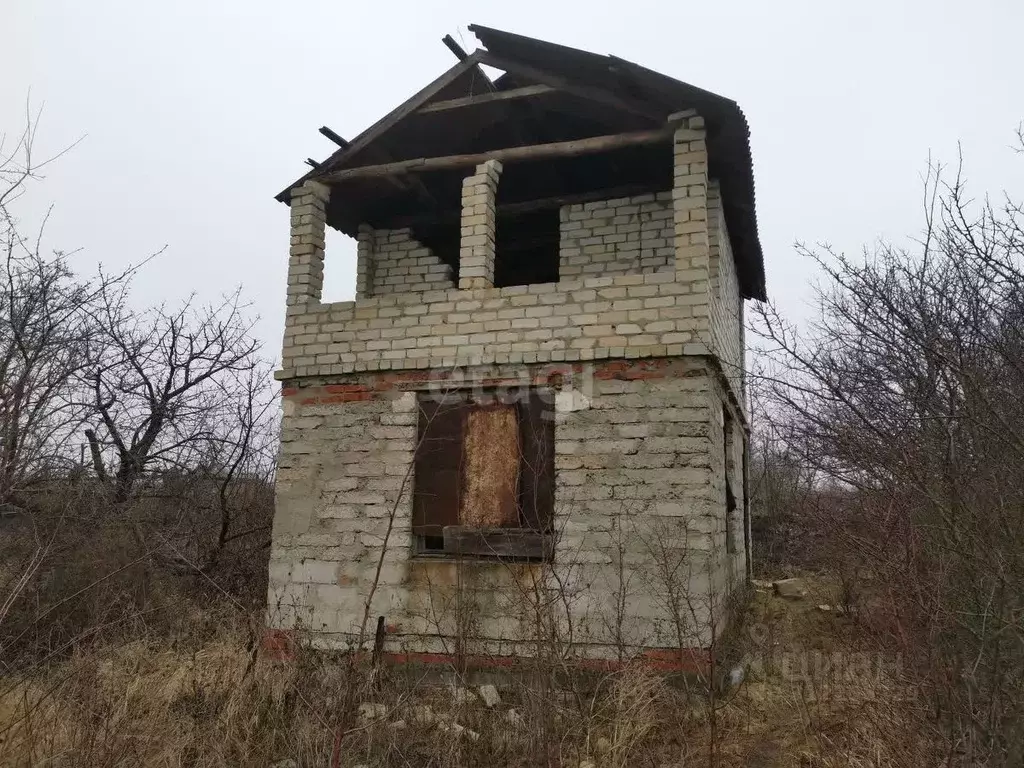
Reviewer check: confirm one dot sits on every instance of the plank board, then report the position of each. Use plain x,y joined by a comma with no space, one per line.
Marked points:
498,542
490,467
439,457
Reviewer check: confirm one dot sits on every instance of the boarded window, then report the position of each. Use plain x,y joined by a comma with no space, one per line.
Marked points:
484,474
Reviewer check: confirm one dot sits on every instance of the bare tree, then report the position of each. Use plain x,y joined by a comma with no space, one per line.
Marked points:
45,330
162,385
154,390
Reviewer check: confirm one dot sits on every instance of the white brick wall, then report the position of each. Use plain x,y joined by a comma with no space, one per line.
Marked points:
633,484
597,318
726,305
394,262
306,255
644,288
628,235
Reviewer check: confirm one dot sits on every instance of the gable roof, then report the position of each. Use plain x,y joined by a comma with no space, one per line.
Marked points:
588,94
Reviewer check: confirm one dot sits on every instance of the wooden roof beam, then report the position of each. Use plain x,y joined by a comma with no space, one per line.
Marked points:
487,98
324,130
573,148
408,107
600,95
455,48
407,183
413,103
421,192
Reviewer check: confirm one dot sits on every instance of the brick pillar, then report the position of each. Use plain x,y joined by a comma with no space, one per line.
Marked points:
364,262
476,252
690,205
306,259
715,236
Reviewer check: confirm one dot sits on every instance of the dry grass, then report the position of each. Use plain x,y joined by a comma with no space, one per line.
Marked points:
147,703
167,700
822,691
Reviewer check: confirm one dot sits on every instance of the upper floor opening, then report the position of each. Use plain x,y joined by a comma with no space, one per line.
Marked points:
563,167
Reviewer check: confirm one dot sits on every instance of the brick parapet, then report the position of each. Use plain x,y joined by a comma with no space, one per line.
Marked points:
596,318
392,261
365,261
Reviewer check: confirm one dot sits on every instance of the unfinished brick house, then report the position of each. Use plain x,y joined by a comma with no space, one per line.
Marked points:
529,425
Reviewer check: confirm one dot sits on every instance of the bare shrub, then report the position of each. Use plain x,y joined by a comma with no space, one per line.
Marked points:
905,394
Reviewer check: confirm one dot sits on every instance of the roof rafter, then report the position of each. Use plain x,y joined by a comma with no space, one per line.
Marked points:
559,83
333,136
487,98
458,50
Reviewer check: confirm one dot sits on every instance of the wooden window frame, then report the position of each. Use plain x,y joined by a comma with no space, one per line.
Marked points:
439,521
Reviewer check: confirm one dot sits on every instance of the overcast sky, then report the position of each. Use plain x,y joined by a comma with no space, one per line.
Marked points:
196,112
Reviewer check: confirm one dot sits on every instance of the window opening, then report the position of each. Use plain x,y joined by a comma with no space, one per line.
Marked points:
483,480
526,248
